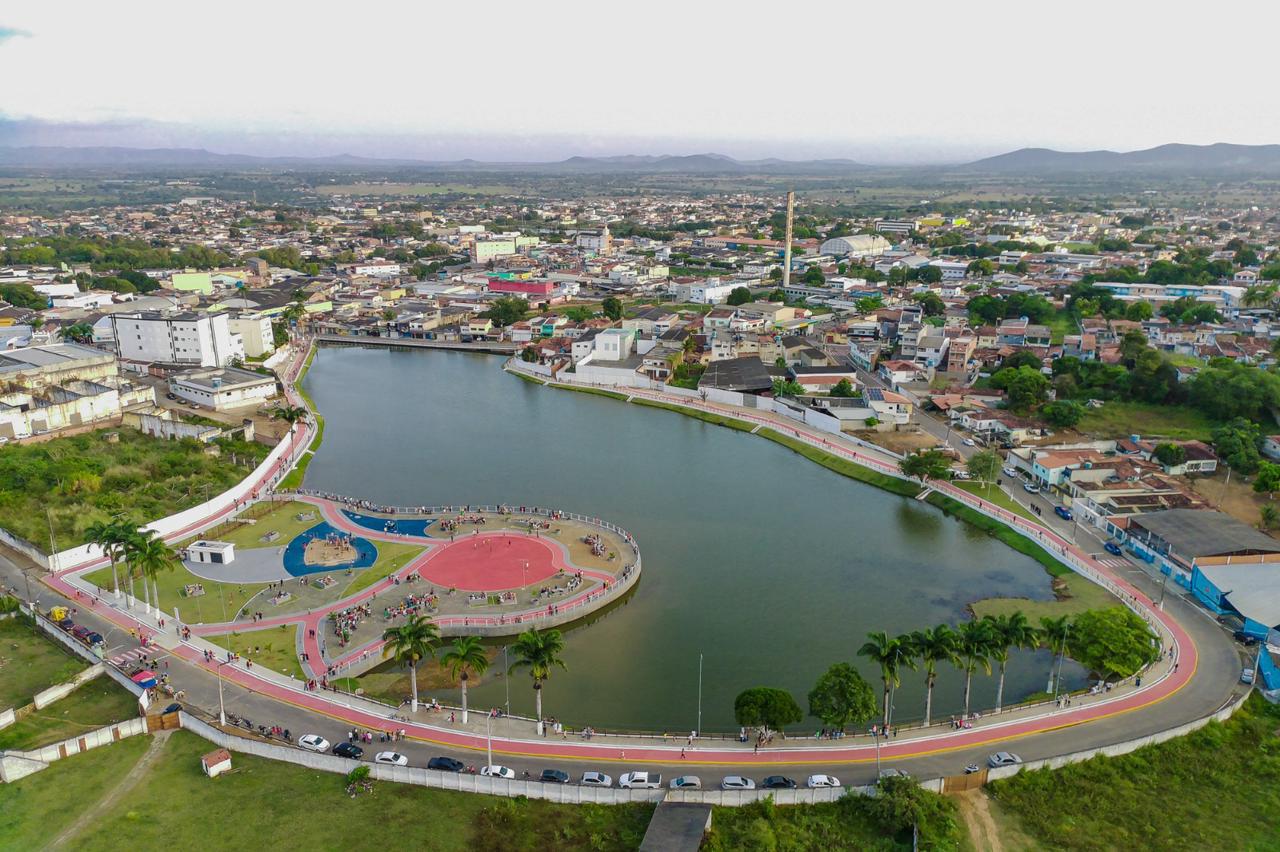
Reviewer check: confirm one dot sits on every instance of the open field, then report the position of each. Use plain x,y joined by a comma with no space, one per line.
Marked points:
1121,419
29,663
1213,789
67,484
99,702
182,809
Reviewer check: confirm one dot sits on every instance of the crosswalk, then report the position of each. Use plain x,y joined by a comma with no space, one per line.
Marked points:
1115,562
127,658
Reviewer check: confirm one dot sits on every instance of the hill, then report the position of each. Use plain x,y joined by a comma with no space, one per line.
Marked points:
1221,157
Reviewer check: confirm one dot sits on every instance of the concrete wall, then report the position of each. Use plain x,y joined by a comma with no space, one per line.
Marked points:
159,427
85,742
45,697
7,718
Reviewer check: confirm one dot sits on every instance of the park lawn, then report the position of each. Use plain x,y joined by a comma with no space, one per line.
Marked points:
83,479
596,391
260,798
392,556
276,648
30,662
1212,789
705,416
204,608
36,809
843,466
1117,419
282,519
993,493
92,705
1076,594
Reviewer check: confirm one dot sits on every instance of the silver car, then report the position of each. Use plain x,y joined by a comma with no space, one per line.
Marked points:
737,782
817,782
596,779
1003,758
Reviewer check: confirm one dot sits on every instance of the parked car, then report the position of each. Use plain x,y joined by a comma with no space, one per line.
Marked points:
1031,488
498,772
592,778
313,742
1011,471
394,758
737,782
686,782
1113,548
815,782
81,632
66,624
1244,638
1003,758
640,780
1246,674
554,776
778,782
1063,512
172,708
446,764
171,396
350,750
969,442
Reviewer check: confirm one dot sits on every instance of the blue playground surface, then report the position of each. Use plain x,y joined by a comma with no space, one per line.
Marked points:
399,526
366,553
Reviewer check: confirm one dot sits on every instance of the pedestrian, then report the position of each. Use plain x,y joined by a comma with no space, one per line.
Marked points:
682,754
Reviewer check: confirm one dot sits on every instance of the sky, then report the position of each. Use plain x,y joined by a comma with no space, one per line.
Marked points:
522,81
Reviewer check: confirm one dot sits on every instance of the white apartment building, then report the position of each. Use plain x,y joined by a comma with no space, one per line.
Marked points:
255,332
377,269
200,340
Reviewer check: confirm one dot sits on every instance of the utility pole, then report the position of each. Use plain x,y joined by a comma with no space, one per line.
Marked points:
699,694
786,251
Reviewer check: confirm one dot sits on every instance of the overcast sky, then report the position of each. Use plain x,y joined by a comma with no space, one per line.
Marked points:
932,81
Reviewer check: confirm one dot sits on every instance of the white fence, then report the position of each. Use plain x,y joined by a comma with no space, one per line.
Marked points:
85,742
46,697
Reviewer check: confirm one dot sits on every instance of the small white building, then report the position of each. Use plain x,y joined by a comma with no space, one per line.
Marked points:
223,388
613,344
216,762
211,552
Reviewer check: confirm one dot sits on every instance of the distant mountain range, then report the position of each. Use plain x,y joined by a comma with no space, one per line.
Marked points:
1174,158
1221,158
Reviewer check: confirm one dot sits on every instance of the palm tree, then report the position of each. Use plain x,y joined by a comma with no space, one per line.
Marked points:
110,536
409,644
538,652
465,655
150,556
973,647
891,655
933,646
128,549
290,414
1010,631
1054,632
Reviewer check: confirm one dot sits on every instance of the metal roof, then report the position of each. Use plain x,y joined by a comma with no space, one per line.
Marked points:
1200,532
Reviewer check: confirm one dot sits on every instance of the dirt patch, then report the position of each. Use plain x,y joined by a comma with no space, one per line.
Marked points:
976,813
899,442
1236,498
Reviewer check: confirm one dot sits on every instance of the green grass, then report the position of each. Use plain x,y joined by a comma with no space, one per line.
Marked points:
205,608
1062,323
1212,789
904,487
30,662
705,416
282,519
99,702
1122,419
392,556
275,648
176,807
992,493
293,479
83,479
34,810
527,378
595,391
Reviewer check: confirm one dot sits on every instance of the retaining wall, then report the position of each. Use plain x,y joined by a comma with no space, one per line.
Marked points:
47,696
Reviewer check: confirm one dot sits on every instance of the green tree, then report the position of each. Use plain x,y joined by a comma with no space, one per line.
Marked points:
1009,632
1236,443
842,388
1063,413
23,296
506,310
813,277
1268,516
150,555
612,308
927,464
1113,642
787,387
891,655
932,646
539,652
1053,635
1025,387
80,332
111,537
1226,390
1022,358
1268,479
1138,311
465,656
984,465
409,644
929,274
841,697
738,296
1169,455
767,707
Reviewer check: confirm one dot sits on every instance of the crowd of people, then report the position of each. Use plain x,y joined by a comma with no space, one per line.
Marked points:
347,621
412,605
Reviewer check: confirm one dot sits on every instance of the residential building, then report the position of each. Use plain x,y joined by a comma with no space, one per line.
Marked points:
255,331
223,388
184,338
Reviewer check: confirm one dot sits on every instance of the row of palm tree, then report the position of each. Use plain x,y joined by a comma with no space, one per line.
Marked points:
416,640
143,553
975,645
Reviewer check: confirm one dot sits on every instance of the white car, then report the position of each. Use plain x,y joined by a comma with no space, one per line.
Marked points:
1010,471
686,782
1031,488
893,772
737,782
1003,758
645,780
596,779
969,442
816,782
392,757
499,772
313,742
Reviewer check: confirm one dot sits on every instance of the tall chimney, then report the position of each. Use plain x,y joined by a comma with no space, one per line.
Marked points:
786,252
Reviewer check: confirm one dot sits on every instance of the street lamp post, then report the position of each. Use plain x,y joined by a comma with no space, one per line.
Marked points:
222,710
506,679
699,729
488,734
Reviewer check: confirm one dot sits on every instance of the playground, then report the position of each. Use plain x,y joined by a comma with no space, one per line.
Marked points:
493,562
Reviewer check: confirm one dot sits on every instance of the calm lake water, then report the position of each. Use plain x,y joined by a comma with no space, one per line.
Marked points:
769,566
